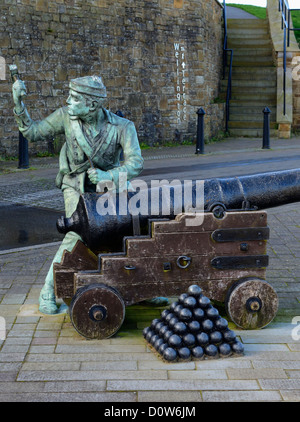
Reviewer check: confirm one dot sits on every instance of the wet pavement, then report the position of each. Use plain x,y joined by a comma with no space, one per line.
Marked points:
23,226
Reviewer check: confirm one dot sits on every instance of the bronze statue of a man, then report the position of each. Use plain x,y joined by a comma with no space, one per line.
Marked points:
95,138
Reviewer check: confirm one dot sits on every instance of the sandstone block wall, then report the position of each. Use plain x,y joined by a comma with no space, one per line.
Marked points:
161,60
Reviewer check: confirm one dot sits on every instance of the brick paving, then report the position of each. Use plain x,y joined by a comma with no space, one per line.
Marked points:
44,359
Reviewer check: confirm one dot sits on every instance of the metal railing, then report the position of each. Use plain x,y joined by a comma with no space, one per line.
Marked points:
225,60
283,7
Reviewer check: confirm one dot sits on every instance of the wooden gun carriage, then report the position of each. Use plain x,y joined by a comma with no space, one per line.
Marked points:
225,255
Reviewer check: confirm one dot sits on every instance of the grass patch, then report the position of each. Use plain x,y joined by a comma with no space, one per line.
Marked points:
296,22
259,12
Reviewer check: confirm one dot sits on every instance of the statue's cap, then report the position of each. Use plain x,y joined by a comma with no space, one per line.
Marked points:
90,85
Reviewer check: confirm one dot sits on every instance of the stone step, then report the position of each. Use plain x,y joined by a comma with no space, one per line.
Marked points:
258,51
243,96
247,23
252,72
249,42
253,61
252,99
249,125
246,117
256,90
250,133
259,103
247,32
250,83
251,110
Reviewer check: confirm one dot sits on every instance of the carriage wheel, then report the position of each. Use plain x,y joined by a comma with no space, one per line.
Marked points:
251,303
97,311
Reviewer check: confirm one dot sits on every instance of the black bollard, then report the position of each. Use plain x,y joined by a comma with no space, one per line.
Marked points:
23,152
266,129
200,132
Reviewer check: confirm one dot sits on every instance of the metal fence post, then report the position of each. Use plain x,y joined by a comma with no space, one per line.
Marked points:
266,129
200,132
23,152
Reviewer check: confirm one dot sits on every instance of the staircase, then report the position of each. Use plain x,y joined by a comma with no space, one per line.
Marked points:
254,77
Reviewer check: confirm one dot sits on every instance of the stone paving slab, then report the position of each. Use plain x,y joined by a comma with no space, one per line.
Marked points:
44,359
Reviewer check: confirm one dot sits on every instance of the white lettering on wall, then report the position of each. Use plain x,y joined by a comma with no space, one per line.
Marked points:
181,81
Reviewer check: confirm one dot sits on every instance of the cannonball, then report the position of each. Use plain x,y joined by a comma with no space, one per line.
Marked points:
194,290
229,336
185,314
207,325
224,349
158,326
149,335
164,313
175,341
197,352
212,313
211,350
194,326
221,324
154,322
215,337
189,340
203,302
184,353
158,343
198,314
154,338
169,317
172,322
182,297
173,306
170,354
190,302
163,330
145,331
168,334
202,339
162,348
178,309
237,347
180,328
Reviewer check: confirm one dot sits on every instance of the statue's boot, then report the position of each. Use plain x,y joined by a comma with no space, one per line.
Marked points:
47,302
47,298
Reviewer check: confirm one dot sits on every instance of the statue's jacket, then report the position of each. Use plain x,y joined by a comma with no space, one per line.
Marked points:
104,150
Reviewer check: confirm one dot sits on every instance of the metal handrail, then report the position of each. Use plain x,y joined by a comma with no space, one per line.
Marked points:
225,51
283,7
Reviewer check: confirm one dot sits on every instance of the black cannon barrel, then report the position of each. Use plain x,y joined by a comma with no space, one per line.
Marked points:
104,228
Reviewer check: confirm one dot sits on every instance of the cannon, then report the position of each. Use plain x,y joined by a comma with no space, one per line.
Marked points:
125,258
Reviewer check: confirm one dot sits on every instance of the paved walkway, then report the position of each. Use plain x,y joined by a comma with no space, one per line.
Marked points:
42,357
237,13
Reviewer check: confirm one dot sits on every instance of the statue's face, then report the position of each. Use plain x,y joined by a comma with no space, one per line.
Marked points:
77,105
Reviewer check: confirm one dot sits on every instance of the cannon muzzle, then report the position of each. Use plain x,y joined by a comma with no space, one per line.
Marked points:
104,230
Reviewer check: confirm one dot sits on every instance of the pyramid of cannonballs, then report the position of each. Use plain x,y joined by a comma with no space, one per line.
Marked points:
192,329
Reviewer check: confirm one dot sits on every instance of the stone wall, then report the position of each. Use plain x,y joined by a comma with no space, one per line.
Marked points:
289,121
160,60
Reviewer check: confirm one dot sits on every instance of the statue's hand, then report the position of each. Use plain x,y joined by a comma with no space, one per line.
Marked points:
19,91
96,176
